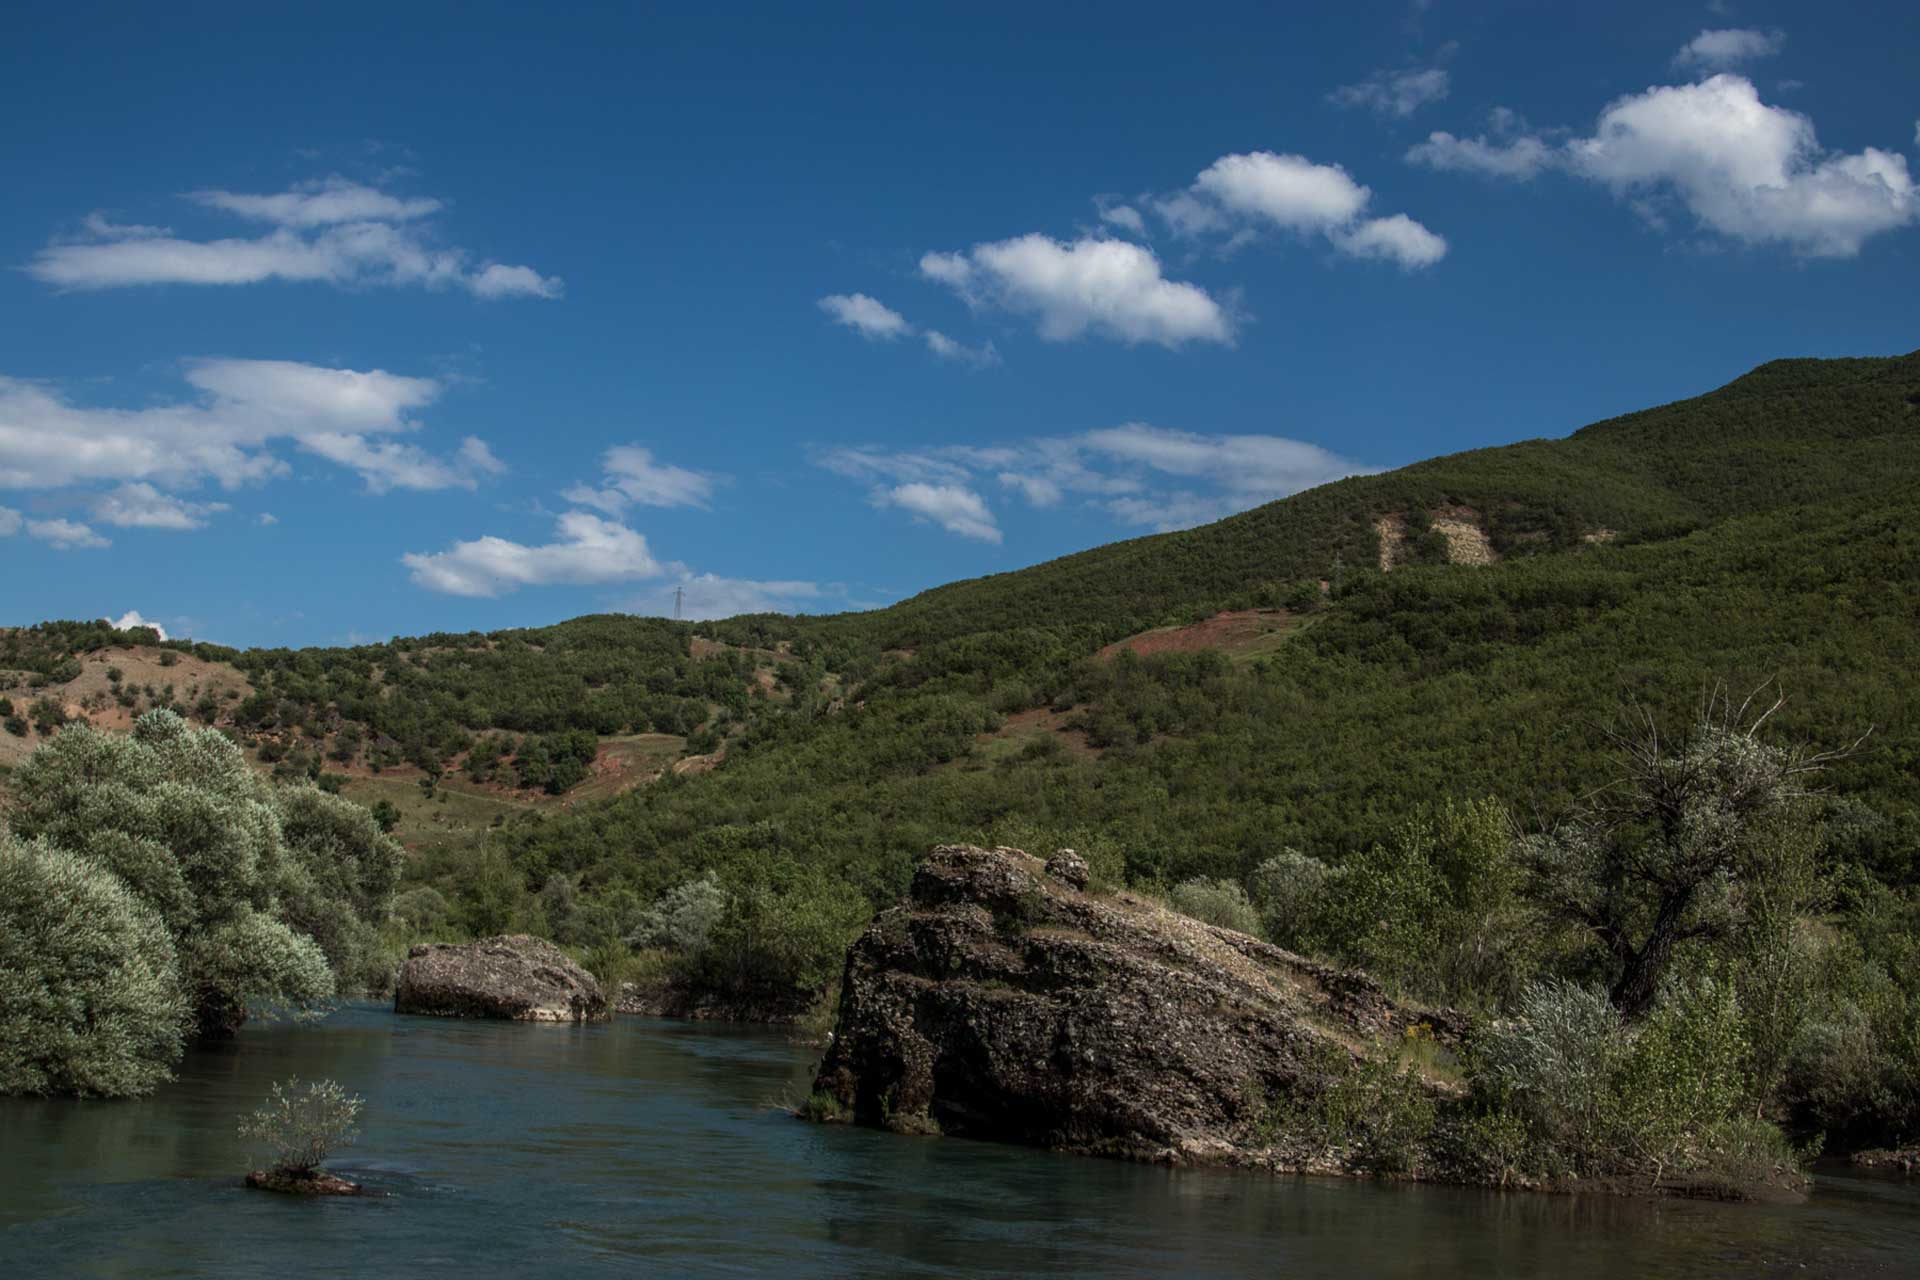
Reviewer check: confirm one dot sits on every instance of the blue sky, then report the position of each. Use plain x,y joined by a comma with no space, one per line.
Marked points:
390,319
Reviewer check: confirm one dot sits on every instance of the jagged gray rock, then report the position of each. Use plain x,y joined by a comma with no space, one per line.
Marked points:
1071,867
513,976
1000,1001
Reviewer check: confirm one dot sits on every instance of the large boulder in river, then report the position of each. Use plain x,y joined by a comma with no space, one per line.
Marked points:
1002,1001
511,976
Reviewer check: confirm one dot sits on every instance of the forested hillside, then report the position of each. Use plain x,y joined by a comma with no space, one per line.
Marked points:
1342,719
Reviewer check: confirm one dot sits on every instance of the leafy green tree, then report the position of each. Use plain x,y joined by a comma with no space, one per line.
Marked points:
176,814
90,994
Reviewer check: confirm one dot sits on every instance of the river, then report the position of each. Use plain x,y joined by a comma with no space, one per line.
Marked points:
654,1148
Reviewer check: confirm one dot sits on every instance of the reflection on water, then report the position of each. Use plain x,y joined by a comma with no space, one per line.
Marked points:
656,1148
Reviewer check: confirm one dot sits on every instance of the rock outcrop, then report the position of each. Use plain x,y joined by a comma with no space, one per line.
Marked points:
512,976
1002,1001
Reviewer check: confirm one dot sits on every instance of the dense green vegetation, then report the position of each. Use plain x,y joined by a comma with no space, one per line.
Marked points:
156,884
1406,780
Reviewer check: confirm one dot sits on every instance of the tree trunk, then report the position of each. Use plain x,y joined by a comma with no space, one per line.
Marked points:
1639,982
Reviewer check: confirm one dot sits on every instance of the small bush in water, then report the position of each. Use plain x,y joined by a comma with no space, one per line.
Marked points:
303,1128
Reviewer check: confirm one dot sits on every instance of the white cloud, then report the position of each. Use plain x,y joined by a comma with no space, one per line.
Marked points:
334,232
386,464
1720,49
633,478
1290,191
1741,168
1138,474
586,550
1393,93
1112,288
953,507
1745,169
226,433
869,317
139,505
947,349
1125,217
319,204
1259,465
131,619
10,522
266,518
1521,158
1039,491
1238,193
66,535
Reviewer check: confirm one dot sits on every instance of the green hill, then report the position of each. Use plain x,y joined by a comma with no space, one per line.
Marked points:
1768,531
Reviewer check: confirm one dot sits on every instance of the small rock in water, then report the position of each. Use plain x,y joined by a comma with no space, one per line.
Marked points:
310,1184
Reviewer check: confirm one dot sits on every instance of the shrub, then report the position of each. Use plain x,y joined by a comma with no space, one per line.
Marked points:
684,918
1599,1096
1291,891
90,996
303,1129
424,909
783,939
1217,902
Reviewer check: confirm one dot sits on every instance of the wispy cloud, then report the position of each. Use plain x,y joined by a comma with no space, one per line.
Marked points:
869,317
141,506
1394,93
1723,48
332,231
1137,474
877,322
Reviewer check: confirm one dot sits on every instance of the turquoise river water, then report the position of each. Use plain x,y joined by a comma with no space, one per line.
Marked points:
644,1148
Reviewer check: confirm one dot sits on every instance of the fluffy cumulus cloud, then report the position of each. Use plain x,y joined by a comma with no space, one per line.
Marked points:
633,477
131,619
1109,288
1396,94
130,466
1241,195
333,231
586,550
1139,475
1745,169
1738,166
1723,48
